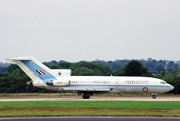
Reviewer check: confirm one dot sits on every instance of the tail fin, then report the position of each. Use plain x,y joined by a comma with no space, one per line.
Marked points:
34,69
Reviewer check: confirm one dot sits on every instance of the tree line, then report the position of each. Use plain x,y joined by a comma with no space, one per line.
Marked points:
14,80
154,66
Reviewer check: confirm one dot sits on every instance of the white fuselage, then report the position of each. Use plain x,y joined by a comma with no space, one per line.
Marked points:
113,84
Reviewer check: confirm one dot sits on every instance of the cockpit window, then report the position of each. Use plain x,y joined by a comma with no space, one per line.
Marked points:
163,82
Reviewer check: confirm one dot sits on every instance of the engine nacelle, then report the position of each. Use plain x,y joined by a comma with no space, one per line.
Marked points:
36,83
30,83
59,83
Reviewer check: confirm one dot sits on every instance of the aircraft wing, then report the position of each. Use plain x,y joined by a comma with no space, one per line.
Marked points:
86,89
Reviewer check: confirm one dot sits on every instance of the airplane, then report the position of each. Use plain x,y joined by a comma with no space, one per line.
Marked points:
61,80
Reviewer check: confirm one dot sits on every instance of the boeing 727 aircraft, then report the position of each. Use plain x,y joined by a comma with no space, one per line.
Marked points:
62,81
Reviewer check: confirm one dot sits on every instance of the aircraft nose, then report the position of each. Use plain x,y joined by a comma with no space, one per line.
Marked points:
171,87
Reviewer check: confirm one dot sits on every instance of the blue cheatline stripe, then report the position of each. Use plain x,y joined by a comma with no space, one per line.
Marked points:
34,68
121,86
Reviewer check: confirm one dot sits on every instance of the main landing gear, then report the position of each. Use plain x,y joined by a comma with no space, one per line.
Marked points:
87,95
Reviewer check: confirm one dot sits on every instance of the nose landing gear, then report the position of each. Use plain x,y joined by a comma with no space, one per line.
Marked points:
154,96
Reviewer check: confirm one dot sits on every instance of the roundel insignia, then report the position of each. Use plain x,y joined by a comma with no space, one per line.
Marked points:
145,89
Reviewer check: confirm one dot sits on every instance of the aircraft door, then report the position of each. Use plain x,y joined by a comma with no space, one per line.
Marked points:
117,82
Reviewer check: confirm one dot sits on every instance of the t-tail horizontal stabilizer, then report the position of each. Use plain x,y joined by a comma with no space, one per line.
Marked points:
38,72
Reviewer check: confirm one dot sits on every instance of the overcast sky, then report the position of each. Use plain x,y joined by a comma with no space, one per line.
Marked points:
75,30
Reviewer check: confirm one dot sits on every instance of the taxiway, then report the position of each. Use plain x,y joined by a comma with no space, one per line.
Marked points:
90,118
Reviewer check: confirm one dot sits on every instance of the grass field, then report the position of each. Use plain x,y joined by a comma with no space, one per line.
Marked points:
89,108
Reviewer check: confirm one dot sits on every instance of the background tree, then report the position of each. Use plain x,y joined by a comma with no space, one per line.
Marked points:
97,69
163,73
159,68
151,65
83,71
172,65
135,68
119,72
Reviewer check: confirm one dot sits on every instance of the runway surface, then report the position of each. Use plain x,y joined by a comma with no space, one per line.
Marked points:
91,118
96,99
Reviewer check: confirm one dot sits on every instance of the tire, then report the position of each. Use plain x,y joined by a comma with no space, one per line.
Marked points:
86,96
154,96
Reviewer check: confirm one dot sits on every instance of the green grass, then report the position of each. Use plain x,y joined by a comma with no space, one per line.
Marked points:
90,108
123,105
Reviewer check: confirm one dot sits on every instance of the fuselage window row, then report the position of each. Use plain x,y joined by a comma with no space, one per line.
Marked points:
94,82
